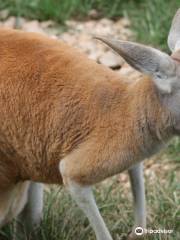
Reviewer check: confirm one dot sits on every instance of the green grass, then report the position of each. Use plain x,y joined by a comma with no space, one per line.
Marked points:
64,221
152,20
60,10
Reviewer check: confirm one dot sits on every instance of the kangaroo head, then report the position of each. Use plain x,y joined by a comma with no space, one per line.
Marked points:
163,69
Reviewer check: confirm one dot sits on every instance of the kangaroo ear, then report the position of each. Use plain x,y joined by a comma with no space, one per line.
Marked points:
174,33
147,60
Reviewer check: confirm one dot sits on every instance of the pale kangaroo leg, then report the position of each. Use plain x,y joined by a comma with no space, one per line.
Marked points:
85,200
31,215
12,201
138,190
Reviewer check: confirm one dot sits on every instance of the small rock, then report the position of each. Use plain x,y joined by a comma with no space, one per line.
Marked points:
106,22
47,24
126,70
124,22
90,25
111,60
71,23
79,26
94,14
95,54
123,178
131,75
33,26
127,33
103,30
68,38
10,22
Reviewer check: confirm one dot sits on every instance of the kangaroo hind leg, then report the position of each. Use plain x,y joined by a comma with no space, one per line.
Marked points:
12,201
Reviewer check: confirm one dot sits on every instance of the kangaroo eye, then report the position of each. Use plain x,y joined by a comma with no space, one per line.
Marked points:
158,74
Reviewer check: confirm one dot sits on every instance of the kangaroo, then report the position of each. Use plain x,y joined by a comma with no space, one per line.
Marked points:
65,119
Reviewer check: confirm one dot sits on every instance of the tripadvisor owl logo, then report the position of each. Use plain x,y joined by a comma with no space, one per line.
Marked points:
139,231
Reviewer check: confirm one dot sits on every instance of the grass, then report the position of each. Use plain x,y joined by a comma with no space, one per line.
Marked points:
150,19
64,221
60,10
